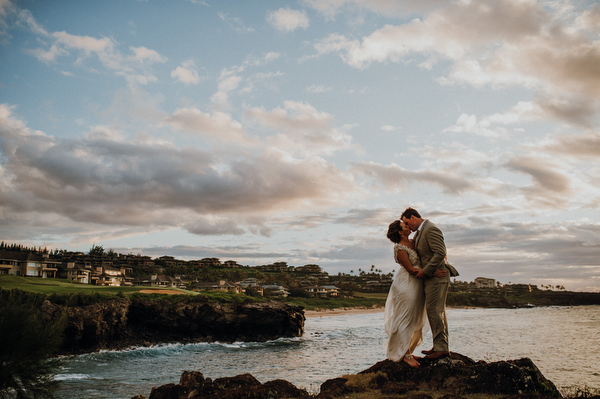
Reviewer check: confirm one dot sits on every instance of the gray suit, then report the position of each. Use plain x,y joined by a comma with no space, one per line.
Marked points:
430,246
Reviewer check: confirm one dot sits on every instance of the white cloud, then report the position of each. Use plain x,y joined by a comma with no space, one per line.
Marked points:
318,89
469,124
583,146
235,23
186,73
105,179
271,56
395,177
228,81
301,129
550,187
87,44
83,48
146,55
389,128
218,126
288,20
572,110
496,43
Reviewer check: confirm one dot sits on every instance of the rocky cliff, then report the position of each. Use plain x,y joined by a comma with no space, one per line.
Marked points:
456,377
122,323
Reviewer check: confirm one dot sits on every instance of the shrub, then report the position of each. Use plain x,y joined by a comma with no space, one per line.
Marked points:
299,293
27,340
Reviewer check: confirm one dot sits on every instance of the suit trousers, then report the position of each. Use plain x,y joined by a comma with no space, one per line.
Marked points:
435,304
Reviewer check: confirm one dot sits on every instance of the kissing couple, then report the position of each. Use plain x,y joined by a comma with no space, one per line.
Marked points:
417,297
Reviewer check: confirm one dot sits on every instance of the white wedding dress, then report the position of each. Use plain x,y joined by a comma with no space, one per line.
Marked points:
405,317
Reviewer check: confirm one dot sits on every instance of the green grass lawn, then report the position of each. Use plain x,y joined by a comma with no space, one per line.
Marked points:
371,295
61,286
64,287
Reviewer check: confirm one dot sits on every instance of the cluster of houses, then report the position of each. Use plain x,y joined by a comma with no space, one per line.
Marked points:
116,270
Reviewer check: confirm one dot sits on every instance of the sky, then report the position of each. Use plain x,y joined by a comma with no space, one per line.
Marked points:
297,131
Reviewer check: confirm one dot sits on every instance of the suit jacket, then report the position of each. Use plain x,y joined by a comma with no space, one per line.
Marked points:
432,250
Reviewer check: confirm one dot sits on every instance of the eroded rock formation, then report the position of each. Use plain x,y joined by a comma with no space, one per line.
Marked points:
122,323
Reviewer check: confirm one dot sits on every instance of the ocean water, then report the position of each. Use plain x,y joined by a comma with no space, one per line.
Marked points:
562,341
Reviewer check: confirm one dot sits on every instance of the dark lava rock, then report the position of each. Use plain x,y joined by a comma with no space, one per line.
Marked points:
452,377
193,385
122,323
455,375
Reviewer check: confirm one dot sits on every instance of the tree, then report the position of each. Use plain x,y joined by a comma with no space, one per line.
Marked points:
97,250
299,293
27,340
251,291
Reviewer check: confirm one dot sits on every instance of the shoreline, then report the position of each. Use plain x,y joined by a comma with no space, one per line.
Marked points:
342,311
360,310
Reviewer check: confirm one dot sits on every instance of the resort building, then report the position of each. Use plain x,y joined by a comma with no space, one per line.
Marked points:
110,276
28,264
483,282
78,274
322,291
275,290
220,285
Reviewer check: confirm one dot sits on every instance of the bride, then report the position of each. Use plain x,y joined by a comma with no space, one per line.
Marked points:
405,317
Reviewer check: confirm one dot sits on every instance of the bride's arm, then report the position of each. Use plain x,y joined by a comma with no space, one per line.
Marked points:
402,257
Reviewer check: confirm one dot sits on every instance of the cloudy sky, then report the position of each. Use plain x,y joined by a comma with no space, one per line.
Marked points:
297,131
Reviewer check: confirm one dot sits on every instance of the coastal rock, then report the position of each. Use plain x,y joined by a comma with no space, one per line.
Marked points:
455,377
122,323
191,322
91,327
193,385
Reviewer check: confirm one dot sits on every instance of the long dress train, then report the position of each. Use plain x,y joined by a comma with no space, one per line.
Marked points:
404,316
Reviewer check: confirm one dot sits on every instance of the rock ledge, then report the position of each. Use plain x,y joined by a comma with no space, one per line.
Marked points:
120,324
455,377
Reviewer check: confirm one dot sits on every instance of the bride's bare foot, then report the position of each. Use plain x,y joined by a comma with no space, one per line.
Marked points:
411,361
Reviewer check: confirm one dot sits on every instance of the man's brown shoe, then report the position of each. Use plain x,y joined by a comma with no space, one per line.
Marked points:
428,352
437,354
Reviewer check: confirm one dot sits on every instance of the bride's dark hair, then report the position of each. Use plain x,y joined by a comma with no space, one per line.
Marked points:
394,231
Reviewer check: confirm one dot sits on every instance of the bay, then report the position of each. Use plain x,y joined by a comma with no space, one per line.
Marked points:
561,341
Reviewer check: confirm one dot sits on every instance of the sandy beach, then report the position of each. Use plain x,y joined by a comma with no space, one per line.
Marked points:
342,311
161,291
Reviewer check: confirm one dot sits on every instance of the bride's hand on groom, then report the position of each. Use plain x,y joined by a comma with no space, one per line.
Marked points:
420,274
440,273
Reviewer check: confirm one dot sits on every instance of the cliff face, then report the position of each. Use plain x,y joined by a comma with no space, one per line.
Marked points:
122,323
456,377
216,322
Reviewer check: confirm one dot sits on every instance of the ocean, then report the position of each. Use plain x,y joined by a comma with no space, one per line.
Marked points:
561,341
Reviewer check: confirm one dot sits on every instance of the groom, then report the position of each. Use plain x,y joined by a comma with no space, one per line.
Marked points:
429,244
